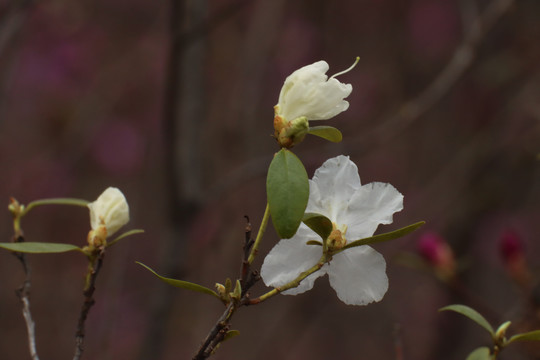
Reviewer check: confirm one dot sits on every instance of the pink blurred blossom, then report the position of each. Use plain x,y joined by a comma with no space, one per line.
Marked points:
435,250
512,251
511,245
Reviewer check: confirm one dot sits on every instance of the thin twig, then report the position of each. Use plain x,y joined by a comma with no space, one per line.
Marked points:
217,334
246,266
93,270
248,278
23,293
398,345
11,21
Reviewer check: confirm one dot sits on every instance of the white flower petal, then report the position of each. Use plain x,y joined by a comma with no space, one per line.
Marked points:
329,100
289,258
111,208
335,182
358,275
371,205
308,92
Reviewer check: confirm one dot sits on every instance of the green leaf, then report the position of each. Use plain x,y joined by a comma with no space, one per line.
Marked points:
314,242
471,314
182,284
528,336
318,223
55,201
501,330
125,235
230,334
326,132
287,188
237,292
482,353
39,247
386,236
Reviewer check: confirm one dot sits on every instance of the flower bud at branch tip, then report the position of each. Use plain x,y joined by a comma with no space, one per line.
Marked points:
15,207
308,94
110,211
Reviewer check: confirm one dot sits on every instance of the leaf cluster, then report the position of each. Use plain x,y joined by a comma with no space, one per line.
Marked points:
498,336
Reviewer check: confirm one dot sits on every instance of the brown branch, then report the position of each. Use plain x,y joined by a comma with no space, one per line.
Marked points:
93,270
398,343
23,293
217,334
248,278
11,21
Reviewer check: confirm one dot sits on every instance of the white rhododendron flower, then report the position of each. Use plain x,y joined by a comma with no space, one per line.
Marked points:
110,210
357,274
309,93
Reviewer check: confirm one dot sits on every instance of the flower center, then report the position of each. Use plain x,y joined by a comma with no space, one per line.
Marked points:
337,239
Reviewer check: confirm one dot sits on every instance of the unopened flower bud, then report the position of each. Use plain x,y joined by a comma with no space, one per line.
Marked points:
220,290
15,208
435,250
110,210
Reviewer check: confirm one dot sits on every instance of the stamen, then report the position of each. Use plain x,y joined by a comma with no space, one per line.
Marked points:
347,70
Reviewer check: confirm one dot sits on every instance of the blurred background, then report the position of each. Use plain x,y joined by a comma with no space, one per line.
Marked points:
172,103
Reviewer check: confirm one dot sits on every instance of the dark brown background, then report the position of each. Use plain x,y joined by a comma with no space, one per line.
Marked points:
446,111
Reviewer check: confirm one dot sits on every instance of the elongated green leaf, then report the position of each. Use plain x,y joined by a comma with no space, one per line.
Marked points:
56,201
125,235
528,336
314,242
386,236
326,132
471,314
318,223
482,353
39,247
287,188
182,284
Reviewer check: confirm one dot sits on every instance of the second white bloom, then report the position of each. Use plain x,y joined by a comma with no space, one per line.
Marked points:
358,274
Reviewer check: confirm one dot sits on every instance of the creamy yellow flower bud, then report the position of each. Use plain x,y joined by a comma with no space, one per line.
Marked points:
110,211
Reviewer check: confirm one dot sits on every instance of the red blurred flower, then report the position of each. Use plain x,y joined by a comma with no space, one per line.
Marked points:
512,251
435,250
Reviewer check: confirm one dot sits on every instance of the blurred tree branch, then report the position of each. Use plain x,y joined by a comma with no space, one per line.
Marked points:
23,293
11,21
462,59
183,117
